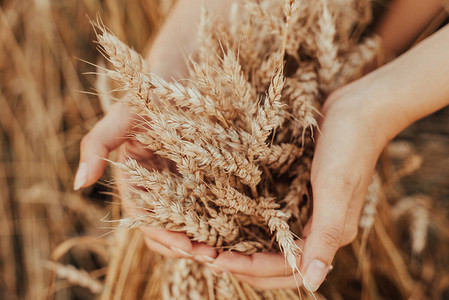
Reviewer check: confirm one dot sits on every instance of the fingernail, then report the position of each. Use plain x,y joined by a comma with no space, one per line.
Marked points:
182,252
80,177
203,259
314,276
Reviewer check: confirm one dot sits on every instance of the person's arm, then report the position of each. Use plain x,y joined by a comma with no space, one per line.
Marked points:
358,121
178,37
409,88
404,20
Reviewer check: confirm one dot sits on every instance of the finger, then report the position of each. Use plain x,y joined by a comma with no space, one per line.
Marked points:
353,219
331,198
268,283
162,250
168,239
257,264
203,252
307,228
176,244
349,233
107,134
351,225
336,178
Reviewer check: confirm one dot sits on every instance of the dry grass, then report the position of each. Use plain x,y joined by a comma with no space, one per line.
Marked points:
226,193
43,117
224,150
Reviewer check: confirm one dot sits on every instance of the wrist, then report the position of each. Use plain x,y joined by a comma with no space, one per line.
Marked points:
412,86
381,106
407,89
367,104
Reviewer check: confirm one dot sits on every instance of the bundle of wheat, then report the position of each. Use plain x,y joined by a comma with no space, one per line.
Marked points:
240,130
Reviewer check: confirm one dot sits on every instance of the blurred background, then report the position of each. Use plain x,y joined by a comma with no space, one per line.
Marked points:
45,109
47,104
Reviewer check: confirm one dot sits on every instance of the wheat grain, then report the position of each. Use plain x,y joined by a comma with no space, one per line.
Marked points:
327,50
76,277
240,130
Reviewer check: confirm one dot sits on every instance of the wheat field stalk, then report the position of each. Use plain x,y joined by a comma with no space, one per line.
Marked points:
58,244
228,191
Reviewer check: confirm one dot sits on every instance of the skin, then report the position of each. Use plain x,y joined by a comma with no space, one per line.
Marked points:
357,122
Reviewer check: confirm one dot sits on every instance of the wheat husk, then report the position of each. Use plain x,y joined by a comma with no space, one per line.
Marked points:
280,137
222,178
221,147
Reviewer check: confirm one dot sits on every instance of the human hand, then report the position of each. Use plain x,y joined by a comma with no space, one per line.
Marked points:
349,144
347,149
358,121
109,134
167,59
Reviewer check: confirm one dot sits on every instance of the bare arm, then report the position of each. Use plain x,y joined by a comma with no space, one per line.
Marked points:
409,88
177,38
405,20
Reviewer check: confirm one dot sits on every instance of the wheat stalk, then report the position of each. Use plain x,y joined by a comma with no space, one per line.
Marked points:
240,130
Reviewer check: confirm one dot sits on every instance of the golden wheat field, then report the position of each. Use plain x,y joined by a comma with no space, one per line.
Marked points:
56,243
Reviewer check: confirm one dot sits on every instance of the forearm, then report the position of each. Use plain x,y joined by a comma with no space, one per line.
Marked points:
404,21
178,37
412,86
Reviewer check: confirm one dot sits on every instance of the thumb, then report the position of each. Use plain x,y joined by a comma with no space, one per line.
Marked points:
326,232
109,133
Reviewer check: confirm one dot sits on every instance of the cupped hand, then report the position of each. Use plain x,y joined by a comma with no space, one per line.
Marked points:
348,146
110,133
